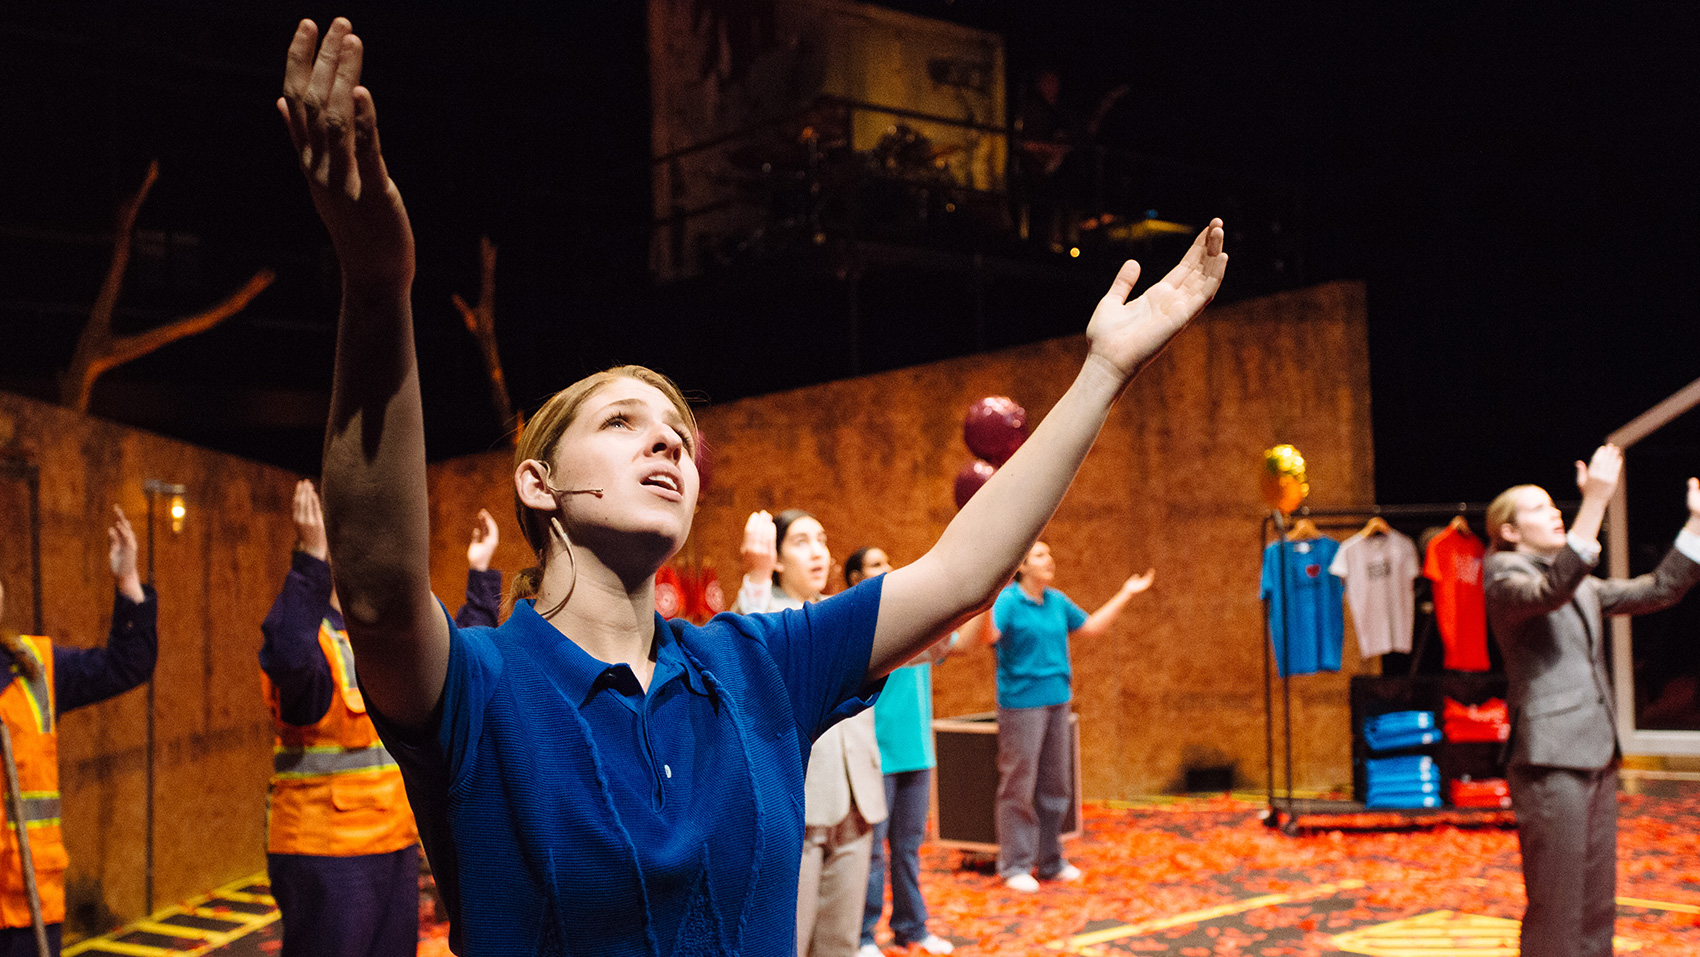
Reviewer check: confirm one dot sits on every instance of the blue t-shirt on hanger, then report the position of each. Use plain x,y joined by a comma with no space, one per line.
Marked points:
1308,602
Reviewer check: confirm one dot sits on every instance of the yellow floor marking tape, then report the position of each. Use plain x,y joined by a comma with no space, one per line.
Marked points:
1084,943
195,940
1658,905
1444,932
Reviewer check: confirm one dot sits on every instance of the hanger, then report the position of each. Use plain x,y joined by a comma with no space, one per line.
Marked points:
1376,526
1461,525
1303,530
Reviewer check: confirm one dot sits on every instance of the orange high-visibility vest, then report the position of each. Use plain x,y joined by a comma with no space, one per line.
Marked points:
335,790
27,708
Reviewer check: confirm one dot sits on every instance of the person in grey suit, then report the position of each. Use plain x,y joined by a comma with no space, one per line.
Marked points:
1547,613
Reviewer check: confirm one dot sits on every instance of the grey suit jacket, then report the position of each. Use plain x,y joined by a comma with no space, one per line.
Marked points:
1547,615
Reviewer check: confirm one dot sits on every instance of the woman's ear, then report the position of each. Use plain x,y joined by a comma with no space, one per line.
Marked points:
1508,533
531,483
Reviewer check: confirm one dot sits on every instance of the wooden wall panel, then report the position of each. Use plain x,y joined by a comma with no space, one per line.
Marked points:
216,580
1171,484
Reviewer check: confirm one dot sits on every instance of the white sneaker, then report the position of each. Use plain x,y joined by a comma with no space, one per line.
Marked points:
933,944
1025,883
870,950
1068,873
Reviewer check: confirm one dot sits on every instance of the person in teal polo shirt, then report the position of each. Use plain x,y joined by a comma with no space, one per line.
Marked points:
1030,626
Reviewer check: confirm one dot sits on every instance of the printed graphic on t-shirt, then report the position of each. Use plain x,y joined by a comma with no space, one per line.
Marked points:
1454,564
1378,570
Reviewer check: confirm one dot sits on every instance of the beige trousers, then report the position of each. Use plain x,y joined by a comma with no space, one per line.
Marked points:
832,887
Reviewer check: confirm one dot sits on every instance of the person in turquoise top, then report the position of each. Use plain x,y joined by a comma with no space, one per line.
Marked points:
1030,626
903,725
590,778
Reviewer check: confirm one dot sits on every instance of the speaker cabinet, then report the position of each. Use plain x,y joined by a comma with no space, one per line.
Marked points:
965,783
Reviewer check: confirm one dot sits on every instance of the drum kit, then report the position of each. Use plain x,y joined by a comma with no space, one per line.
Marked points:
811,182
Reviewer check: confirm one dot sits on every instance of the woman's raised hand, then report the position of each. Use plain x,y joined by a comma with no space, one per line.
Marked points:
760,550
334,127
121,556
1129,334
485,536
1138,583
1597,478
309,515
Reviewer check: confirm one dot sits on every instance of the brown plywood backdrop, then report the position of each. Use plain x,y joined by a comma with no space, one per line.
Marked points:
1170,485
216,580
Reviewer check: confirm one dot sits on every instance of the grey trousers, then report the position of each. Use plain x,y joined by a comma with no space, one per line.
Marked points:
1567,831
832,887
1034,767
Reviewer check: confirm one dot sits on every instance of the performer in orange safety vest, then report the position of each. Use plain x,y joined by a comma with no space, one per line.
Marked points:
39,681
343,852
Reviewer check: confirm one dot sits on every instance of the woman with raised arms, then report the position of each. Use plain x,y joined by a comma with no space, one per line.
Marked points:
588,777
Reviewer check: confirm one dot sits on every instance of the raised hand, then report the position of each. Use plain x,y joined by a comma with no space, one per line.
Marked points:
484,539
760,550
1694,501
1139,583
121,556
1130,334
334,126
310,522
1598,478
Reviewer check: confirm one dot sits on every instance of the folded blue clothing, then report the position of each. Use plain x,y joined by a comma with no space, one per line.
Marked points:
1398,721
1374,788
1385,788
1389,741
1403,800
1411,764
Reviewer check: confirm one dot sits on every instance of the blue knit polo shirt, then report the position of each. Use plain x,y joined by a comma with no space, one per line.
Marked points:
566,811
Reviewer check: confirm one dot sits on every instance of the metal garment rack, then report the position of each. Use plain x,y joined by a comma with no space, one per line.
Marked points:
1274,528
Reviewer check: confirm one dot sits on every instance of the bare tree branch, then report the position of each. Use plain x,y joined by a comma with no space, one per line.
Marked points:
481,322
97,351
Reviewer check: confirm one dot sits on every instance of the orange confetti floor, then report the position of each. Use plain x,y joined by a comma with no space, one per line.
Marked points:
1203,877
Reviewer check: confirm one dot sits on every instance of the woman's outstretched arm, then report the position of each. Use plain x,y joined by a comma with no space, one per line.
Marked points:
374,470
983,544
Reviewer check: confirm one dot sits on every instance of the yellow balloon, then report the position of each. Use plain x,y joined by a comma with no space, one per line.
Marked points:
1283,478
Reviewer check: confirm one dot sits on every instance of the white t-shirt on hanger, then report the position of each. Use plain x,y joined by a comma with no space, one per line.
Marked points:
1378,570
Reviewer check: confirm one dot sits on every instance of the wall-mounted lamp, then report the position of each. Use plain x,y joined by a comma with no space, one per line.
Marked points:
179,510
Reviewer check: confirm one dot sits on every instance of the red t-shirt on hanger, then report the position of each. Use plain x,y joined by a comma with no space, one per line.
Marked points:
1454,564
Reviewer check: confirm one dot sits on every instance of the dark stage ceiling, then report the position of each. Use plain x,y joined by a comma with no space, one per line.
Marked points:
1514,183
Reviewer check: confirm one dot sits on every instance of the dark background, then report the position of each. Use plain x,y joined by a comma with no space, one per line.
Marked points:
1515,184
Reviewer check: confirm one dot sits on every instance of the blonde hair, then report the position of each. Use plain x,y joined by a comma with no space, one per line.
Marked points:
1503,511
543,433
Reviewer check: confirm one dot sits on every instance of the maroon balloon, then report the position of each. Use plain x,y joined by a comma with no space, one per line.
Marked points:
705,464
969,480
994,428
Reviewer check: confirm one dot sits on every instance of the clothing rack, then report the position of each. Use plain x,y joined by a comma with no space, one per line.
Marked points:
1286,815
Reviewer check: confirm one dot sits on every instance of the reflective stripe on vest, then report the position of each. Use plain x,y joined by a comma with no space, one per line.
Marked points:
36,691
322,761
41,808
345,655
